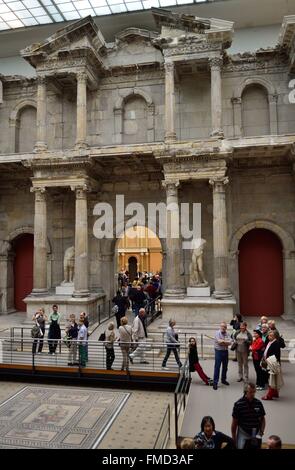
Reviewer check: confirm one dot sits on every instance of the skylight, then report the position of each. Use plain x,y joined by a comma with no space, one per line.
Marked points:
21,13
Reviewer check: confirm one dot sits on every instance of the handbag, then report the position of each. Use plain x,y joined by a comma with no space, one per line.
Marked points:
102,337
36,332
234,346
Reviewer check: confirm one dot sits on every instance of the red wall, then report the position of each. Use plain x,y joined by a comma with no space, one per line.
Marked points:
261,274
23,269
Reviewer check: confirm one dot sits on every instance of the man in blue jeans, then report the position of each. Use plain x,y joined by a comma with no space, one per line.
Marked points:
222,341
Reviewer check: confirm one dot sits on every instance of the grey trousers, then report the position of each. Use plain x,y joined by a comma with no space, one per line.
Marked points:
242,358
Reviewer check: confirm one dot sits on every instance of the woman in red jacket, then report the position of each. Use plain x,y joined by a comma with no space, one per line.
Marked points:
257,348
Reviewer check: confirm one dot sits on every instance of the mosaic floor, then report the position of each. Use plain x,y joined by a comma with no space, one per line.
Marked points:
63,418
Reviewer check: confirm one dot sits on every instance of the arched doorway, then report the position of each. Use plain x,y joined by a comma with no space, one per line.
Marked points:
261,274
132,268
23,247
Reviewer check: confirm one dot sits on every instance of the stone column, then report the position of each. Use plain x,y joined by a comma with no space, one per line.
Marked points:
216,99
273,114
41,144
237,116
220,246
81,281
170,134
81,132
174,281
40,242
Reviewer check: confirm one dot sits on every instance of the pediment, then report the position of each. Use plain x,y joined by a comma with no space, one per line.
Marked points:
82,34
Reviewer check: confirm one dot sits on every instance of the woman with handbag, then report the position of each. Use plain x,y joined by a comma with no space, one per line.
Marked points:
257,348
110,338
125,339
39,318
275,381
243,339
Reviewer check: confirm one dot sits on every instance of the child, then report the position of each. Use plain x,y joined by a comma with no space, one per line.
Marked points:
194,361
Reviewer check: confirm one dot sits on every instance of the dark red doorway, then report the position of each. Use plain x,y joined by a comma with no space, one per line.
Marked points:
23,269
261,274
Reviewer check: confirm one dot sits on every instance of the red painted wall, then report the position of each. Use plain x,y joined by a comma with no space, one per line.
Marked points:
261,274
23,269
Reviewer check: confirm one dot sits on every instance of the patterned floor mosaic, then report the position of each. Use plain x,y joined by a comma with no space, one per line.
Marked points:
60,418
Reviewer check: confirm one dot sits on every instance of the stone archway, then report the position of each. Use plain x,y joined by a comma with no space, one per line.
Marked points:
288,254
7,256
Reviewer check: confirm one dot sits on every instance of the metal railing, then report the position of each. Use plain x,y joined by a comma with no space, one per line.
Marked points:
19,351
163,436
153,310
180,393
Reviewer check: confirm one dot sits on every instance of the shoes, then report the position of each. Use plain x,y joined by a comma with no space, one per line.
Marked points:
38,352
235,360
240,380
70,364
180,365
144,362
215,386
75,363
122,369
110,368
266,398
131,359
259,388
165,367
225,382
210,382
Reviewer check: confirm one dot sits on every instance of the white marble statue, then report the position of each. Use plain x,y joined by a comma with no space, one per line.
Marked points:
196,272
69,265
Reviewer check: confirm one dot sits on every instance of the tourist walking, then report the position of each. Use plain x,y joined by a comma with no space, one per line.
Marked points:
222,341
139,299
257,348
243,339
172,344
139,335
248,420
82,341
110,338
125,339
72,334
54,333
271,361
122,304
194,364
40,320
209,438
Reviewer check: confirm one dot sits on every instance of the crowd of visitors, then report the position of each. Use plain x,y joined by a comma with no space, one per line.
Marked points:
247,427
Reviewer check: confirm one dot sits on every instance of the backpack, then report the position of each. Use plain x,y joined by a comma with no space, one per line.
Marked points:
102,337
282,342
35,332
115,309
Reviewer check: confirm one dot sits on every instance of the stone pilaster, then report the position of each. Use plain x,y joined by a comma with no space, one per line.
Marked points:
220,245
81,282
170,134
237,116
81,133
40,242
216,96
41,144
174,280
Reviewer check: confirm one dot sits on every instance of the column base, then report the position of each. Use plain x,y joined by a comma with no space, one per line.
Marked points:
40,292
174,293
217,133
81,293
222,294
170,137
81,145
40,147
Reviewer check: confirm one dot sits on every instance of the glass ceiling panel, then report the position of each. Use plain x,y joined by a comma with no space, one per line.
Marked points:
21,13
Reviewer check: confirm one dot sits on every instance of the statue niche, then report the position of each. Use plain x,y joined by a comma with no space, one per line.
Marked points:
69,265
196,272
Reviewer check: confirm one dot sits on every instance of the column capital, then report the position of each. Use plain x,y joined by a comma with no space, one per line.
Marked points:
236,100
216,62
81,190
40,193
41,79
171,187
219,183
169,67
81,76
